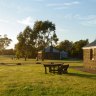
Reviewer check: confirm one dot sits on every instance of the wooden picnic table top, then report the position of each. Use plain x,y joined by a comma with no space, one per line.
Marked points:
48,65
56,68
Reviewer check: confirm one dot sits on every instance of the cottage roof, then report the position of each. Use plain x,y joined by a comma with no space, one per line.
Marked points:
51,49
90,45
63,52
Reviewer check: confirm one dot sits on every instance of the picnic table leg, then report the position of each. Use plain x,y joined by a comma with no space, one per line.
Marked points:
54,70
45,70
49,69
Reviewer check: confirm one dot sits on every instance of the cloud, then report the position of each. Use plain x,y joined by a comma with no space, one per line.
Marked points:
89,17
63,5
26,21
4,21
89,20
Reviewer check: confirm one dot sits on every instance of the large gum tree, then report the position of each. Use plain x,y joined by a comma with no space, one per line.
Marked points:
45,33
40,36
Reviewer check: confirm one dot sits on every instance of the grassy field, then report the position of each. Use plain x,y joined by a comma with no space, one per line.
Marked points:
29,80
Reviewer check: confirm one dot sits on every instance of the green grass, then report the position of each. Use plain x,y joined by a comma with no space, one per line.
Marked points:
30,80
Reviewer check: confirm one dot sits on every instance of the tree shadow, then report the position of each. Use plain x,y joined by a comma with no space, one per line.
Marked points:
83,75
76,66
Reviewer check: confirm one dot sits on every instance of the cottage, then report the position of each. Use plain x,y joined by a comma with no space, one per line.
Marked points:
89,56
51,53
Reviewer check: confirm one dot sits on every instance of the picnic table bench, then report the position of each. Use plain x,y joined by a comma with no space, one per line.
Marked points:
56,68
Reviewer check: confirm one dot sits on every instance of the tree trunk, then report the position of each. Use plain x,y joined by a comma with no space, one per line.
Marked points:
43,55
25,58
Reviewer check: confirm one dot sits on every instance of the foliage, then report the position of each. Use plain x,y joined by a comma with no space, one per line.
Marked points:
77,48
4,42
45,33
7,52
65,45
30,40
73,48
25,45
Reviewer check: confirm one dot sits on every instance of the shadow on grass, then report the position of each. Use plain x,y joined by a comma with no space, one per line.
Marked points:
89,76
76,66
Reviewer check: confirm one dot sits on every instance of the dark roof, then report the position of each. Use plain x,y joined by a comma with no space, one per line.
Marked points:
51,49
91,44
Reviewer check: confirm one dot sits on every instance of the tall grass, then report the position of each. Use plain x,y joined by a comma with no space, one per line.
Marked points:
30,80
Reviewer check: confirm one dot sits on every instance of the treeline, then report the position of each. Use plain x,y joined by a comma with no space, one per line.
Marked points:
36,38
74,49
7,52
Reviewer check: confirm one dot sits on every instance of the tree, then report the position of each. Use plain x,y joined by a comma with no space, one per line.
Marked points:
4,42
65,45
42,35
25,43
8,52
45,34
77,48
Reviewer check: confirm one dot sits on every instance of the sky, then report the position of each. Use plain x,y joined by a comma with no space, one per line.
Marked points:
74,19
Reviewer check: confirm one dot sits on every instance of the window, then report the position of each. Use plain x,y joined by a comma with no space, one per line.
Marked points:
91,54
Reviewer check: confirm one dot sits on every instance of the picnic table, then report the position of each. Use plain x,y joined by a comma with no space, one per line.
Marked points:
56,68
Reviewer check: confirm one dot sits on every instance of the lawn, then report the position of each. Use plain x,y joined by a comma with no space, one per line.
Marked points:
29,79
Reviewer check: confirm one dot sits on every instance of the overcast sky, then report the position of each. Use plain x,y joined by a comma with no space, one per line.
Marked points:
74,19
